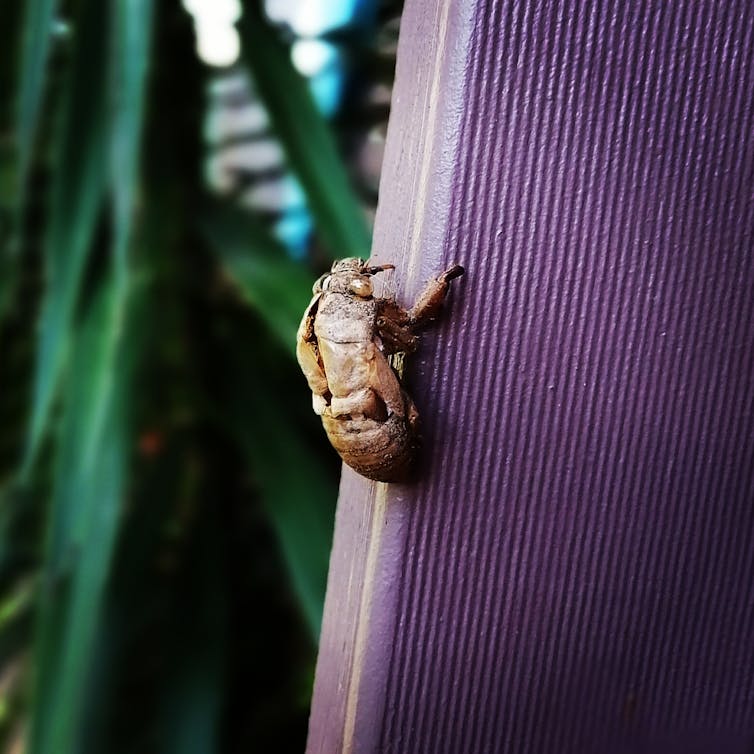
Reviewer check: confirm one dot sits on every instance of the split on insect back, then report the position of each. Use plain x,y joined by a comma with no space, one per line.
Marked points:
343,347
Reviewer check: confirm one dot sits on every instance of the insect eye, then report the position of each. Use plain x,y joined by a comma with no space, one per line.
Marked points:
360,287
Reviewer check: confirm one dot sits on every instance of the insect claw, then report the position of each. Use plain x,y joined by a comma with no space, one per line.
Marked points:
378,268
453,272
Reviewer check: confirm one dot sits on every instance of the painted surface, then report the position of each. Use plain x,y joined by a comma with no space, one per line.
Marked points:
575,571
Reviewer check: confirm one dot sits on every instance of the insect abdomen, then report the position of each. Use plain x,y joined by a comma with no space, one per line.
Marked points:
379,450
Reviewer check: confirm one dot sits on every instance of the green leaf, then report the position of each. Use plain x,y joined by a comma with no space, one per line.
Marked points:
81,178
37,35
16,614
132,25
22,81
305,135
299,505
89,487
277,287
93,443
296,489
299,498
77,193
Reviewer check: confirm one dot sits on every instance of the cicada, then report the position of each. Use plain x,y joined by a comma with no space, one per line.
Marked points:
344,345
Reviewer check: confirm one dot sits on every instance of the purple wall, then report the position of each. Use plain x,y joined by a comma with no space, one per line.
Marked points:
574,572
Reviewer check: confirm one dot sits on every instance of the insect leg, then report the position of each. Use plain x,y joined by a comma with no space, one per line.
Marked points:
395,337
430,300
378,268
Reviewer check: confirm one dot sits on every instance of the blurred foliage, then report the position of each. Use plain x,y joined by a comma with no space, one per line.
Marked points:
166,500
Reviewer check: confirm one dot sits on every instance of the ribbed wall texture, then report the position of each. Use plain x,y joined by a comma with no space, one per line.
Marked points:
574,571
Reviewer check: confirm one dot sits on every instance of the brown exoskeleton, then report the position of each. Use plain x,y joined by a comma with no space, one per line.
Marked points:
343,345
